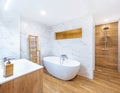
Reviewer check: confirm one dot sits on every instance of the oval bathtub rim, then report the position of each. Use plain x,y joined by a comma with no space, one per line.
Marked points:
44,59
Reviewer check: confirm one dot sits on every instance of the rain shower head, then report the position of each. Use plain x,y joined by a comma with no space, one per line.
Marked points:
105,28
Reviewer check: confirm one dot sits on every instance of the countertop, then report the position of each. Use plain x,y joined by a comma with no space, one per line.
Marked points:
21,67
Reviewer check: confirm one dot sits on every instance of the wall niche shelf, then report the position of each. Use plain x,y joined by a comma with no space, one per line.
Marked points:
70,34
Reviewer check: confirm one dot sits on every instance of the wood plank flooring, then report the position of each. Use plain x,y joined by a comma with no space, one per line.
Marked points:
105,81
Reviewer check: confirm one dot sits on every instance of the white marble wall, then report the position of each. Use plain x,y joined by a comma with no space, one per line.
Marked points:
34,28
14,40
14,33
119,45
81,49
9,37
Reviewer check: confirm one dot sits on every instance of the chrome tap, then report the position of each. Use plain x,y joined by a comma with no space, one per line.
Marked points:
3,64
62,58
5,59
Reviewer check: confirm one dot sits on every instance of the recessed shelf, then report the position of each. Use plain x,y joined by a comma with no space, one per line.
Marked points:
76,33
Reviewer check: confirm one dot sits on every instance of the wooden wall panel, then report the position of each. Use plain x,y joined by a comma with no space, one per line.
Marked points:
76,33
109,58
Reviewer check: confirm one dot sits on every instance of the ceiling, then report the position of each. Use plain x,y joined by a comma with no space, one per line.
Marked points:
59,11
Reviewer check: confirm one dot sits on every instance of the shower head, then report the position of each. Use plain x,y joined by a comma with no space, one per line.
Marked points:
105,28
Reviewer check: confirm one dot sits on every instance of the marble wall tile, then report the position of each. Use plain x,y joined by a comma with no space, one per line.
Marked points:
82,49
9,37
34,28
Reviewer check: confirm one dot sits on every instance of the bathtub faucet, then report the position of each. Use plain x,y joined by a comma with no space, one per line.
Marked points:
62,58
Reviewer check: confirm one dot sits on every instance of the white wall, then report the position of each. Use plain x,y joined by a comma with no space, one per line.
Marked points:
119,45
81,49
9,36
14,33
29,27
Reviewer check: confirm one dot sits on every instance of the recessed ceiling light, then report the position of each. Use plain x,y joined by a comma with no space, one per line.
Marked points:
43,13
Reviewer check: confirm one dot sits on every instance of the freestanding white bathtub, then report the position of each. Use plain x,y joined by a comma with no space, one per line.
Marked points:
66,71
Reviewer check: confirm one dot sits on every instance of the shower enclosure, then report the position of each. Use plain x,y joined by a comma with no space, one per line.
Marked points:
107,46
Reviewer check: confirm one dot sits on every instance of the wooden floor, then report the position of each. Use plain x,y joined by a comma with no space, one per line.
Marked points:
105,81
